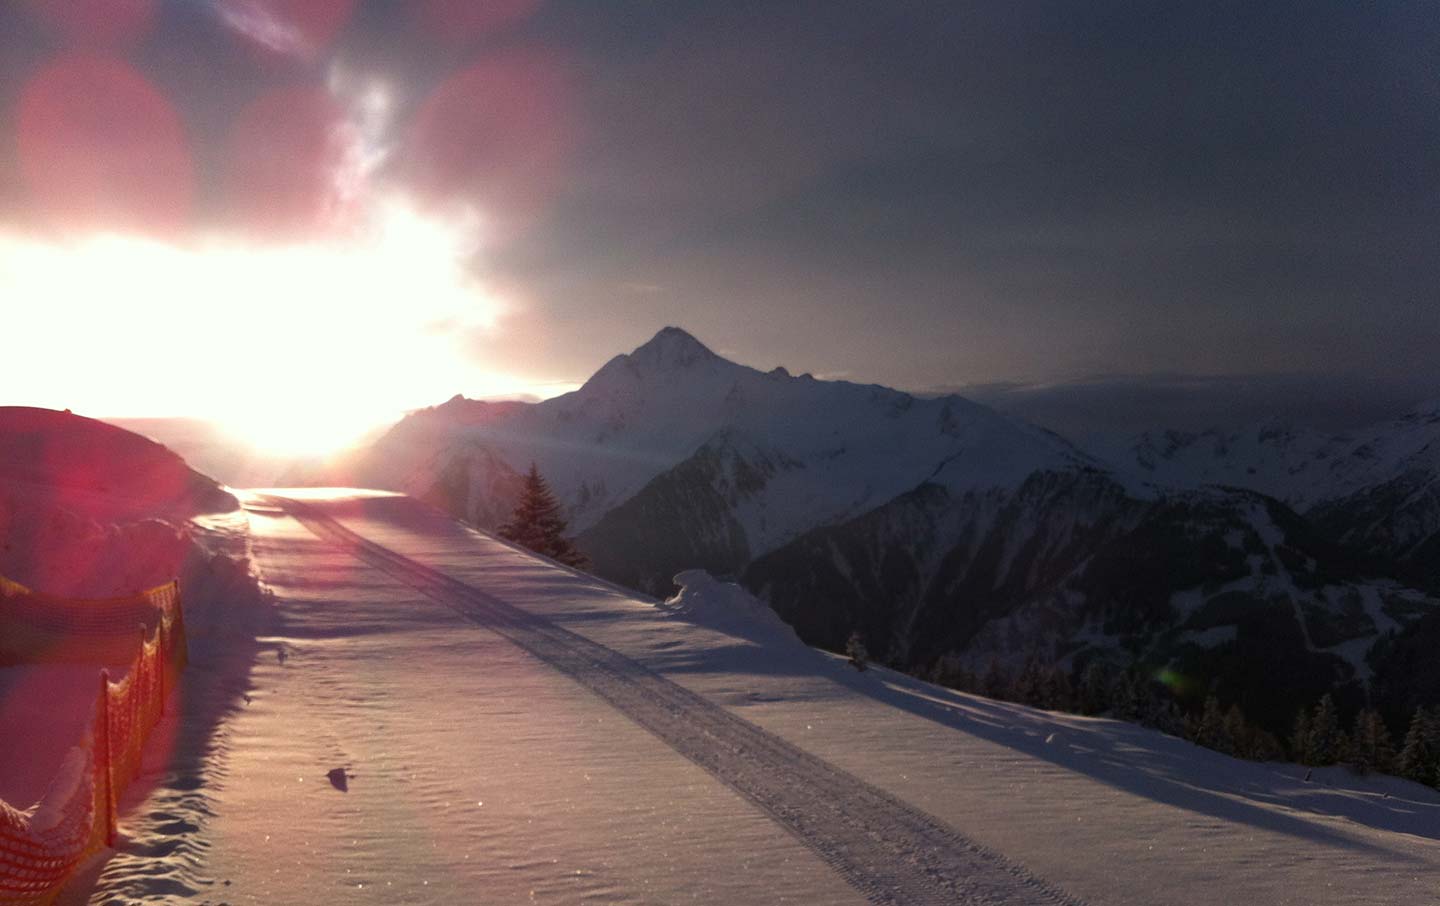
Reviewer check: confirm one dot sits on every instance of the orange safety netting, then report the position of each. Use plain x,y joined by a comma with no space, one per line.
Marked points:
41,848
40,628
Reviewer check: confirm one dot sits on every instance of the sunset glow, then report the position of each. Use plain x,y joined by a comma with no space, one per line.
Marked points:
294,348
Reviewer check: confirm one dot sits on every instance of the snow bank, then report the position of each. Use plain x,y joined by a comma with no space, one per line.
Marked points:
89,510
728,608
61,552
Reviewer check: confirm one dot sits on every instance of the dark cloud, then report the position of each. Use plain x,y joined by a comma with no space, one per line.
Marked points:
1102,408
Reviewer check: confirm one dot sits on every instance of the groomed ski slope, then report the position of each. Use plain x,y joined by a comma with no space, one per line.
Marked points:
887,850
518,733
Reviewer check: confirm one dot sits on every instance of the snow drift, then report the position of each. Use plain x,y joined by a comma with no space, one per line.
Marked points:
727,607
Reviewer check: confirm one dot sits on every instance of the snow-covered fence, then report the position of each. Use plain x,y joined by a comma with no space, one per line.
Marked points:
42,847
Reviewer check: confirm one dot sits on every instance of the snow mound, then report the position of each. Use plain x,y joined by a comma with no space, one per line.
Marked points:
91,510
99,471
728,608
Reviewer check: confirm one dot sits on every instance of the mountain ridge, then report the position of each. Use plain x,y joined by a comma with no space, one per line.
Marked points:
941,529
1377,488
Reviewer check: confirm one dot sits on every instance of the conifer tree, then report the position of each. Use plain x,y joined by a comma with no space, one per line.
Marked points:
965,680
1165,717
1371,748
1125,697
1323,746
1238,733
1030,684
537,524
1059,693
1153,704
938,674
1190,727
950,671
1264,746
1418,756
995,683
855,650
1300,738
1095,688
1210,732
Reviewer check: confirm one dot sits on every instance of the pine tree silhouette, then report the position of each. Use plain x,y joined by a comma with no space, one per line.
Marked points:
1059,691
996,681
1095,685
1371,747
537,524
1237,733
1030,684
1210,732
1418,757
1324,743
1300,738
855,650
1125,697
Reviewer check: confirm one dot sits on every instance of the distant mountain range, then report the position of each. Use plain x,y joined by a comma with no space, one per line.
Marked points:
1269,566
1377,489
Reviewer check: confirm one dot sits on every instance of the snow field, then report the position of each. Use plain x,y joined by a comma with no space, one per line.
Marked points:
889,851
1110,812
479,774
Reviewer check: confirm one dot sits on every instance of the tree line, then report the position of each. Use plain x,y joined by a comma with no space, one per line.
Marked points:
1319,737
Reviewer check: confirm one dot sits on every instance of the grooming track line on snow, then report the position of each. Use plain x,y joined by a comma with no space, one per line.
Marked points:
889,851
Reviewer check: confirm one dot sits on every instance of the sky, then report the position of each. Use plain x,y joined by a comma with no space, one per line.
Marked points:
374,205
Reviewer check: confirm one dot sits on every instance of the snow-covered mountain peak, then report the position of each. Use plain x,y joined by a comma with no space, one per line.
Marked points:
1301,466
670,349
786,453
671,361
461,410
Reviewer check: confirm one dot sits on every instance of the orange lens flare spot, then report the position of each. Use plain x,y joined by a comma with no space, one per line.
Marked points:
458,22
287,159
499,132
101,148
97,23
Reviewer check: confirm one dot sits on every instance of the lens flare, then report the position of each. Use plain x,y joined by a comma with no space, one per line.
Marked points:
499,131
288,155
281,29
97,24
298,347
101,148
458,22
1180,685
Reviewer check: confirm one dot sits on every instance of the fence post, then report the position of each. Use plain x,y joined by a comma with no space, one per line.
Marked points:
102,754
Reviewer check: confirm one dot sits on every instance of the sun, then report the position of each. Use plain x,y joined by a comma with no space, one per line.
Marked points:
297,348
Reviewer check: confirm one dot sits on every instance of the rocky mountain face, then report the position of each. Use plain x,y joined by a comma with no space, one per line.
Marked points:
940,528
1217,590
